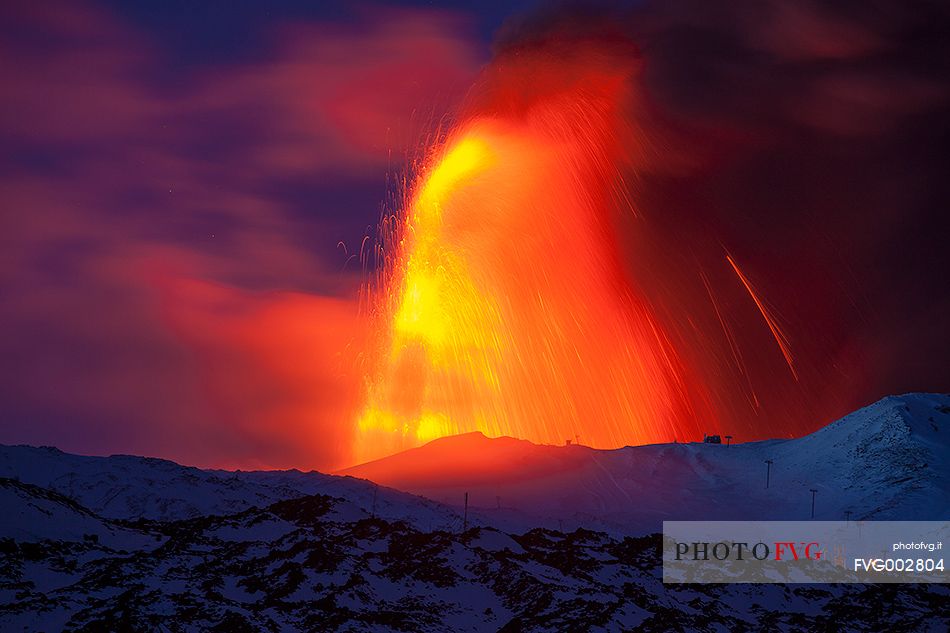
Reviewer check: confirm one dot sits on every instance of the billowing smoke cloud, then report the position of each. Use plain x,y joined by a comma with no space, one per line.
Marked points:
806,140
171,281
817,134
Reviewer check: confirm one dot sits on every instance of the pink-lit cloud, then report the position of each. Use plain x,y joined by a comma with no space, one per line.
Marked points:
171,282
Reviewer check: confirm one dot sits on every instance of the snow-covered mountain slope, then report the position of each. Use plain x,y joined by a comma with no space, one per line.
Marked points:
128,543
890,460
128,487
33,514
301,565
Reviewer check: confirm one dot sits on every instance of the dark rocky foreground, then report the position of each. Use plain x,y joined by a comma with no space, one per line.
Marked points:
303,565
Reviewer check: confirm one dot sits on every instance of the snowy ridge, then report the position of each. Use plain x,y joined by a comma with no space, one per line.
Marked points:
31,514
890,460
129,487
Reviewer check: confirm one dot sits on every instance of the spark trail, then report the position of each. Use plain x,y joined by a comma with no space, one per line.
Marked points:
770,321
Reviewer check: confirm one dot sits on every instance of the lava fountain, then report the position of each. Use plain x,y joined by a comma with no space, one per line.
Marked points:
503,305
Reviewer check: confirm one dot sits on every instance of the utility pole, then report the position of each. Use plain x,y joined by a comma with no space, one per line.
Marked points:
728,440
847,515
768,471
465,515
813,492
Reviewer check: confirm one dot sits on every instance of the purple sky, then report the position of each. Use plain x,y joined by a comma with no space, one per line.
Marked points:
177,183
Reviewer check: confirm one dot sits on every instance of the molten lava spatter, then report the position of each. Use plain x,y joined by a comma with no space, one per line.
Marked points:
505,308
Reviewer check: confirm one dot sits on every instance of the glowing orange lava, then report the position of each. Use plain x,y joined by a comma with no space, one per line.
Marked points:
504,307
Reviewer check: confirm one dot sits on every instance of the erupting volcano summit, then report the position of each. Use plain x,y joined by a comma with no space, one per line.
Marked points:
503,306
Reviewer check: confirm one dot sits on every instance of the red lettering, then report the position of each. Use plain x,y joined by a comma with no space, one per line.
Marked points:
779,549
